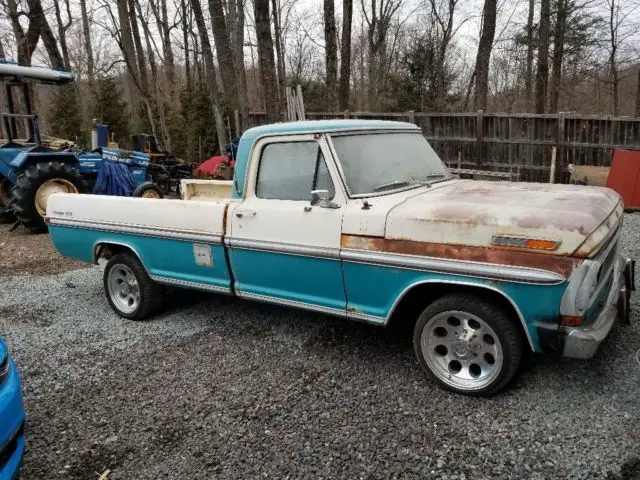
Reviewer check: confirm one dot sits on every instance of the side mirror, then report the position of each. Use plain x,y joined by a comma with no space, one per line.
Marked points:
320,198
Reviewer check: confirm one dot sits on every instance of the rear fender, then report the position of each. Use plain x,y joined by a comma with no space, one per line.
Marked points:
27,159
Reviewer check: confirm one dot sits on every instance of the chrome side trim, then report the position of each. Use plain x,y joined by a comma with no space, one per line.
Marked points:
292,303
187,284
455,267
286,248
363,317
467,284
136,229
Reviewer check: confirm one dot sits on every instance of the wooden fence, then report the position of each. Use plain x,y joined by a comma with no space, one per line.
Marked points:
521,143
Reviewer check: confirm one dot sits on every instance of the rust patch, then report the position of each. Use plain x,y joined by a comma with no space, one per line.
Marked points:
224,220
555,263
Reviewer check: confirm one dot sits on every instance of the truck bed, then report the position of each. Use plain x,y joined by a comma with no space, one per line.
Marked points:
168,235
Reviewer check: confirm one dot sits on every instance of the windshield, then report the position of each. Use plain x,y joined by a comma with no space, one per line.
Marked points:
382,162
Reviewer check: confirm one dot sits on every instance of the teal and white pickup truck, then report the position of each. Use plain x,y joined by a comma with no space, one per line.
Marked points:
362,220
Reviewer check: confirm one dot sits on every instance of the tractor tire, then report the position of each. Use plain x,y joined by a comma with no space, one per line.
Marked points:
148,190
5,192
30,193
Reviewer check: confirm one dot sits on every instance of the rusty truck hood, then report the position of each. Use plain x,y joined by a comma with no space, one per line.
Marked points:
466,212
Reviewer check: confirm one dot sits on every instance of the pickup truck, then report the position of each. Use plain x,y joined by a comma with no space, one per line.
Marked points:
362,220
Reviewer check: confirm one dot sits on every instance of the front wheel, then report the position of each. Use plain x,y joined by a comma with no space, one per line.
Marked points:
468,345
129,289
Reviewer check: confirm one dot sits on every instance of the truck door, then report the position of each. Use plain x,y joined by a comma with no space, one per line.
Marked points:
283,248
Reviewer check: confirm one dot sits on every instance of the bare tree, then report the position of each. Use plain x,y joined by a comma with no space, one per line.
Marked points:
225,54
528,79
345,54
331,53
277,26
378,21
212,83
62,30
140,54
2,54
562,7
542,76
25,41
160,14
484,54
445,23
265,57
86,35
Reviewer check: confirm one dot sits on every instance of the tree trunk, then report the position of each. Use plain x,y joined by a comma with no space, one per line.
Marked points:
528,81
210,76
542,76
140,54
282,80
2,55
86,34
169,62
265,58
224,52
613,25
484,55
331,53
185,40
235,24
345,54
62,31
25,42
558,53
128,50
48,39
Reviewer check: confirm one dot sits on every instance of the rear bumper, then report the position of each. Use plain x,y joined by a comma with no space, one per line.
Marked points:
583,342
11,426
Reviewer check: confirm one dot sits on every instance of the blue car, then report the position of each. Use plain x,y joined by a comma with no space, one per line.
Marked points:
11,417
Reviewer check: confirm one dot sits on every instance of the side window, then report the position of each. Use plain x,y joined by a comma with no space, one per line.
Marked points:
290,171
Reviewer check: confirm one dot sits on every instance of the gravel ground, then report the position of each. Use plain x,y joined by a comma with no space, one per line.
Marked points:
224,388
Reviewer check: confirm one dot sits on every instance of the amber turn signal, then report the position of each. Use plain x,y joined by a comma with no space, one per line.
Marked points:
571,320
541,244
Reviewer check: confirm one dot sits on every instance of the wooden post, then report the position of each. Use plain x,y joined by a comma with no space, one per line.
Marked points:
346,114
552,173
411,114
479,137
459,159
560,141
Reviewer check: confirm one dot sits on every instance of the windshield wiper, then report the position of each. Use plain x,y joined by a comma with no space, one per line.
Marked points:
394,184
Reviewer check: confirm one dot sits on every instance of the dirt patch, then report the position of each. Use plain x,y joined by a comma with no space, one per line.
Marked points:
24,253
40,317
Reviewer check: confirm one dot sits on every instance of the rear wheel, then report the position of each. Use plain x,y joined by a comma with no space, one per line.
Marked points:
6,216
148,190
468,345
31,192
129,289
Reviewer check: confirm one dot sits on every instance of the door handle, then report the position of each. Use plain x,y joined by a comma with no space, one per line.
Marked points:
245,213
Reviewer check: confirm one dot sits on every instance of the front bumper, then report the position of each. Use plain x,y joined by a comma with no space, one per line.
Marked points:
11,426
582,342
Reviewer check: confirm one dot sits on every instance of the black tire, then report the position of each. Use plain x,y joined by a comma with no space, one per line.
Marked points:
23,194
150,293
509,340
5,192
147,189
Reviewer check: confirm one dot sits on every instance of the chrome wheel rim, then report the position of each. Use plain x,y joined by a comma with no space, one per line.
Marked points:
462,350
48,188
124,290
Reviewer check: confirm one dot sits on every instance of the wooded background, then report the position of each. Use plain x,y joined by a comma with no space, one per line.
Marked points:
180,69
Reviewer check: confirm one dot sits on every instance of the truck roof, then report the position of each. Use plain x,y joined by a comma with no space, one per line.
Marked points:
323,126
11,70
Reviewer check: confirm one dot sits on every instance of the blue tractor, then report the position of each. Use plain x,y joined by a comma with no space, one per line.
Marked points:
32,167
